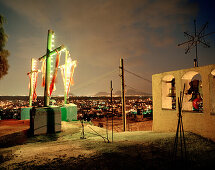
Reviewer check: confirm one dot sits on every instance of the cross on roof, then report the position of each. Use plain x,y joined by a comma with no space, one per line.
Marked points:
195,39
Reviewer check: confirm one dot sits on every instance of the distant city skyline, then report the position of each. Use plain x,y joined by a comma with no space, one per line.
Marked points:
100,32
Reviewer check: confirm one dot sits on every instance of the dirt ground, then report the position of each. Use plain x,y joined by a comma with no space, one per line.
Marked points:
13,126
137,124
69,149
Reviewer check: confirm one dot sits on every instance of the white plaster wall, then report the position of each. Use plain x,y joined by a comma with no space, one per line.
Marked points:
166,120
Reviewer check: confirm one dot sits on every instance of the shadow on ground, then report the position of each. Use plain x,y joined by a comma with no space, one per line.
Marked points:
130,150
125,155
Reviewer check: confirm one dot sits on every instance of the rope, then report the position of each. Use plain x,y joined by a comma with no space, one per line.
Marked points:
104,138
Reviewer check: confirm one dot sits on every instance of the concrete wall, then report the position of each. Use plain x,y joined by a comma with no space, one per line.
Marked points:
69,112
45,120
25,113
165,120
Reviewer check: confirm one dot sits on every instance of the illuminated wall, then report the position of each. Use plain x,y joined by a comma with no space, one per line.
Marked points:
202,121
212,91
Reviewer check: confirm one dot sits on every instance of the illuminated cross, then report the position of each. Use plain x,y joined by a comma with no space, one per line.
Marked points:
33,82
48,65
67,71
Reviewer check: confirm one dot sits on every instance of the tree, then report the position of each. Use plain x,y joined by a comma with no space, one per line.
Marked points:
3,53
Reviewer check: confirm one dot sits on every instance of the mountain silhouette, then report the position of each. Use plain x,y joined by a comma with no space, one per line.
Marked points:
102,94
129,92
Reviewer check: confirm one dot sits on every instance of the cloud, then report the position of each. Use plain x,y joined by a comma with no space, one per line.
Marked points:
35,11
110,20
105,29
29,47
161,41
99,32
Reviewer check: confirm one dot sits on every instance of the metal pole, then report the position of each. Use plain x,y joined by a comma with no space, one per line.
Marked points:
65,83
107,125
123,94
196,44
48,68
82,133
31,84
111,95
196,60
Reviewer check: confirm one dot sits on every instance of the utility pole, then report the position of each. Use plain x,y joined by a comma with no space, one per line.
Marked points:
111,95
123,94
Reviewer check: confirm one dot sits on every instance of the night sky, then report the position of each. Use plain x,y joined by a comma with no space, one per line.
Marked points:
100,32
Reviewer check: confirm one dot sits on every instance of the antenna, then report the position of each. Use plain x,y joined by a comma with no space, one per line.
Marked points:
194,40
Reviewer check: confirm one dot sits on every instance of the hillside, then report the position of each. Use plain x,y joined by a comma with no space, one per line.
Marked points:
129,150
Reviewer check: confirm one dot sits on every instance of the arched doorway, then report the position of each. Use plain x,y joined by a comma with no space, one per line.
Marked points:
193,96
168,92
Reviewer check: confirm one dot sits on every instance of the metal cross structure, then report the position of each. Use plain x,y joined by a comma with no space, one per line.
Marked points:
67,71
194,40
48,64
33,74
